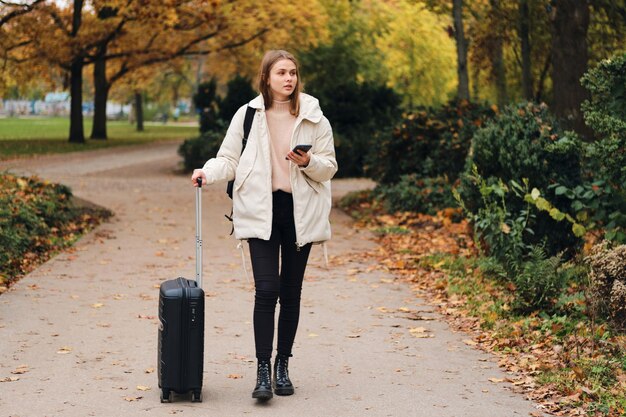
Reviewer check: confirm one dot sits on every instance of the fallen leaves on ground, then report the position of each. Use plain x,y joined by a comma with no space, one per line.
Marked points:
44,219
421,332
22,369
407,249
131,399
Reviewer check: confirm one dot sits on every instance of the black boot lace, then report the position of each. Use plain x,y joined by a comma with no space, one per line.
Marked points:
263,374
282,371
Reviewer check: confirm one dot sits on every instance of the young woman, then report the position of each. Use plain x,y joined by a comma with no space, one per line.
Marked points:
281,203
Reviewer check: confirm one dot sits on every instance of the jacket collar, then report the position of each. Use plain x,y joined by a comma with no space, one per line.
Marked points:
309,107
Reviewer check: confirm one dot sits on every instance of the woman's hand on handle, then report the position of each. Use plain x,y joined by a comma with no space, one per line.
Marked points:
198,173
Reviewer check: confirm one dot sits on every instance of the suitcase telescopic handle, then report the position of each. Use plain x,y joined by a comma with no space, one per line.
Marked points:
199,232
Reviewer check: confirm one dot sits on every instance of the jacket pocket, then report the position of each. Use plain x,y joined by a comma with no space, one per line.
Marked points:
244,169
317,187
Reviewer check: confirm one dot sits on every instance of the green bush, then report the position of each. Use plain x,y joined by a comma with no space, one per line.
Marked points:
356,111
605,113
524,141
538,280
357,107
499,232
239,92
196,151
36,218
411,193
429,143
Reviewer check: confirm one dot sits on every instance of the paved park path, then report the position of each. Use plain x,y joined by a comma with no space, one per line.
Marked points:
79,333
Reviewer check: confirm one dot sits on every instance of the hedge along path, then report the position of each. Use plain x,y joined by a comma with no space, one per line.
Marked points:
79,333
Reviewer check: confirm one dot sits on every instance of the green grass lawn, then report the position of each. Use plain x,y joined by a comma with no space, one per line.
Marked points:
22,137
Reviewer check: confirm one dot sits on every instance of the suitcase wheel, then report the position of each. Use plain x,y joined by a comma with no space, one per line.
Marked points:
196,397
166,396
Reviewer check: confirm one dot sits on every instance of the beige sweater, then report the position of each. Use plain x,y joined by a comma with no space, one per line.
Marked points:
280,124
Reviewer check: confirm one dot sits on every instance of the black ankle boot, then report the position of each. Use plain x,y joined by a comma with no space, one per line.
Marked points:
263,389
282,384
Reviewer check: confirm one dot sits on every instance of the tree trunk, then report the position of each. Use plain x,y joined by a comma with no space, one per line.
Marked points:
77,133
100,82
139,110
524,34
461,51
476,83
101,94
497,59
570,21
542,80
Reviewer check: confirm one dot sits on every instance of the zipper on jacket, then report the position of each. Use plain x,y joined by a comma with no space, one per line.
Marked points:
293,135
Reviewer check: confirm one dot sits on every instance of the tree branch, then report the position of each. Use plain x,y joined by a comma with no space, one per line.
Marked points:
58,21
183,51
20,10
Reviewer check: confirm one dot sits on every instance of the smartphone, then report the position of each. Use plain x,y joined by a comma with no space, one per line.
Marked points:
303,148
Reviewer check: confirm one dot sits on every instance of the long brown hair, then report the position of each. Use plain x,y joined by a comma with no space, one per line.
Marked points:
269,59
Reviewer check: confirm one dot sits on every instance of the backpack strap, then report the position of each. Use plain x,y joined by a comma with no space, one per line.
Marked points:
247,126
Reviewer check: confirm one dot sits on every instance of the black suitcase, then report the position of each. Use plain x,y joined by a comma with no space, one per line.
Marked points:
181,329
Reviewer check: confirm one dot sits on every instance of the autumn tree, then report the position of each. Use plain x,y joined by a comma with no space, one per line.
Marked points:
11,43
122,36
347,74
63,37
11,10
195,28
418,56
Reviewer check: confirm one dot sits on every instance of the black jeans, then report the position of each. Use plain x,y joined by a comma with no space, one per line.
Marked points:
272,284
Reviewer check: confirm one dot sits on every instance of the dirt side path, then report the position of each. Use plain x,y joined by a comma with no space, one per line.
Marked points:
79,333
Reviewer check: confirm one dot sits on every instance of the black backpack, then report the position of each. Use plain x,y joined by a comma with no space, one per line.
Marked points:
247,125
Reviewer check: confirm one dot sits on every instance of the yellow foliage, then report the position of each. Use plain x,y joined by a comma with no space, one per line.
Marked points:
419,55
139,34
289,26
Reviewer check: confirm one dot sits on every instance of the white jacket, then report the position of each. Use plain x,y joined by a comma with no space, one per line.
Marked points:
252,190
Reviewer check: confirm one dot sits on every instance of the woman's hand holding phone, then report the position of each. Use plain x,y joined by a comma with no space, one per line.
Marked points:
299,155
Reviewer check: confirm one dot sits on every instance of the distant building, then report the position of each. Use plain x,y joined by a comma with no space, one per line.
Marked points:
56,103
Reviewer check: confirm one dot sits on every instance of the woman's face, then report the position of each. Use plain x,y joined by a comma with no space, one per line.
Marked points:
283,79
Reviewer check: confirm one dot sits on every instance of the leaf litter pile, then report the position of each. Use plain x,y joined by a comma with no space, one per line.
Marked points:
37,219
570,366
